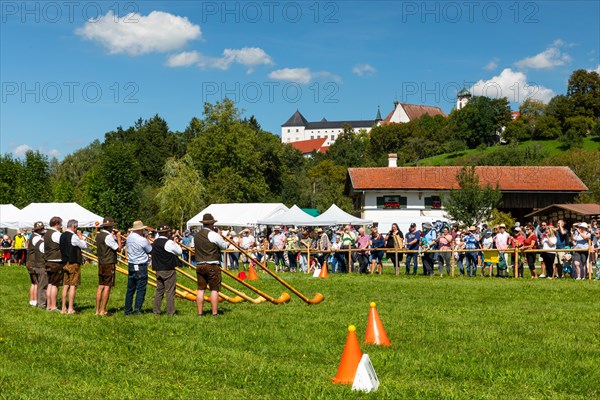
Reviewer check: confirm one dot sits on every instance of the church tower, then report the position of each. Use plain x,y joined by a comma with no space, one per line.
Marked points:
462,98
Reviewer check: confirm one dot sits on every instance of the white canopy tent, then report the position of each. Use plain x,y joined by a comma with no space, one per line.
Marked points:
294,216
239,214
45,211
9,216
336,216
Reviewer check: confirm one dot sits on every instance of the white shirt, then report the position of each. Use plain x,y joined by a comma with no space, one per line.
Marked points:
172,247
110,240
75,241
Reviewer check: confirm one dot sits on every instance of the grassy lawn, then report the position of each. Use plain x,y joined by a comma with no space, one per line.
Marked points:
549,147
457,338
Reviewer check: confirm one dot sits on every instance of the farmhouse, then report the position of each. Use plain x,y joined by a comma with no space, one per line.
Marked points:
416,194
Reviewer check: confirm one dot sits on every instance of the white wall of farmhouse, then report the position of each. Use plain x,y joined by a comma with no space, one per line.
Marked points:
413,208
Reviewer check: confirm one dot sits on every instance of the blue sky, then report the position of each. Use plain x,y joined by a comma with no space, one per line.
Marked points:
71,71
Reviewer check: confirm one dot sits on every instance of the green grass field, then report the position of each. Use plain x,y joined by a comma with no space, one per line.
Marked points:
548,147
452,338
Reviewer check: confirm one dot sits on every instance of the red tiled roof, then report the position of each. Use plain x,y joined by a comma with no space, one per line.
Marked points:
527,179
415,111
308,146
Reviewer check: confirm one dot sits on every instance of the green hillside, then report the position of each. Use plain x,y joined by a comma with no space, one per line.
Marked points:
542,149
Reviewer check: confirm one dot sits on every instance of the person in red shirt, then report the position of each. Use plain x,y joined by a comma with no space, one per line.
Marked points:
530,243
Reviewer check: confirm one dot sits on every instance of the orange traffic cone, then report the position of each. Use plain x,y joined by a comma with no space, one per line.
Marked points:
252,275
324,273
375,330
350,359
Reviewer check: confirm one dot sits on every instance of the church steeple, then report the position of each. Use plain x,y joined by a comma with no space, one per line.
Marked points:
378,117
462,98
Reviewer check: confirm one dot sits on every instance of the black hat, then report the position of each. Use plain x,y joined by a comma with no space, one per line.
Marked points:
38,226
163,228
108,221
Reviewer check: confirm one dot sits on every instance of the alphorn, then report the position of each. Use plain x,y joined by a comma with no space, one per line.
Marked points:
243,295
317,298
284,298
152,283
189,293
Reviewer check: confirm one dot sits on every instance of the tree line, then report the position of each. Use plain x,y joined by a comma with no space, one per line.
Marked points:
151,173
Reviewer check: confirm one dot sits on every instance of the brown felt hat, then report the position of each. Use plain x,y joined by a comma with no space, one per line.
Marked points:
208,219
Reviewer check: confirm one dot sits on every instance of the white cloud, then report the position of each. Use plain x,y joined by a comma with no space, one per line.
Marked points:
302,76
54,153
135,34
185,59
513,85
22,149
364,70
249,57
597,70
549,58
492,65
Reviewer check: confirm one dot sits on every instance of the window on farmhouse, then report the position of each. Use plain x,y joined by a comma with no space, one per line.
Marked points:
391,202
433,202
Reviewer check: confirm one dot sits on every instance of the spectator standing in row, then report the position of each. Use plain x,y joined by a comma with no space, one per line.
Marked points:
444,243
413,238
427,242
548,242
19,246
362,243
562,241
377,243
6,244
278,240
530,243
348,242
471,242
394,242
186,242
501,240
580,239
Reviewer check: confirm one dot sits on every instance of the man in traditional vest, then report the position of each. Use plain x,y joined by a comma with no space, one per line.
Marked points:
35,264
54,264
108,243
138,249
71,243
165,254
208,245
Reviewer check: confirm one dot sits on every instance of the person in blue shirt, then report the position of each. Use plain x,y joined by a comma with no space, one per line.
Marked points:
427,242
187,241
412,243
471,242
138,249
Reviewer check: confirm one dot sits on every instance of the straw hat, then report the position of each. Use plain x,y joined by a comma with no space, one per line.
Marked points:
137,226
472,228
583,225
277,228
504,226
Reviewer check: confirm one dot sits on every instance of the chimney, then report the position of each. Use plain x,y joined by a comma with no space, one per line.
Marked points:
392,160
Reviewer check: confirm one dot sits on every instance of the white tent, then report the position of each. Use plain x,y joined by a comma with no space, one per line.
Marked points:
336,216
239,214
9,216
294,216
45,211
